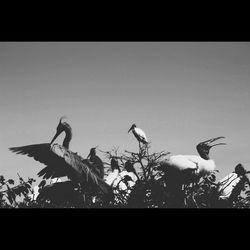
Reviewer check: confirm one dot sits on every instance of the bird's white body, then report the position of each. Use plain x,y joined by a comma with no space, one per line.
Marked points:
111,177
116,180
227,185
140,135
187,168
183,162
120,184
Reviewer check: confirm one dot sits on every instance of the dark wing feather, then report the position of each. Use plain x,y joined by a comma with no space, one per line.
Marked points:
63,162
43,153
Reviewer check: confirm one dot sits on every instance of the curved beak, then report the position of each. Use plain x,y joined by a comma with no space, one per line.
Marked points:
91,150
56,135
208,142
130,129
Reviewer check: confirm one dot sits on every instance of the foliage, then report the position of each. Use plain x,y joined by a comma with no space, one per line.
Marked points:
150,190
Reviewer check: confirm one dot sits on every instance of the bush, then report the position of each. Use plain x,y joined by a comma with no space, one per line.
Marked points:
151,190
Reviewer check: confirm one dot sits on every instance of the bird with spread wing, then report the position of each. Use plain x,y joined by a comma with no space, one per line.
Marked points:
60,161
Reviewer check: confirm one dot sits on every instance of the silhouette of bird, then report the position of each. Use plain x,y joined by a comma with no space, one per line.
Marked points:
129,167
60,161
139,135
97,162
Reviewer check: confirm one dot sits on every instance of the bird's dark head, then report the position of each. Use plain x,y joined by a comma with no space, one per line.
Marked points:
92,152
129,166
62,126
114,164
132,127
240,170
204,147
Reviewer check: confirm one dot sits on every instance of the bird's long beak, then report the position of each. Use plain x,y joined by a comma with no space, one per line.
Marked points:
91,151
208,142
130,129
56,135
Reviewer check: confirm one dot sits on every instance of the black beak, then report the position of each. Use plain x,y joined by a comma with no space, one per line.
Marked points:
208,142
130,129
91,151
56,135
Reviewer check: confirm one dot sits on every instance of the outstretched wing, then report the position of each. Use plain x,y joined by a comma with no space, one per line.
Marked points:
62,162
56,166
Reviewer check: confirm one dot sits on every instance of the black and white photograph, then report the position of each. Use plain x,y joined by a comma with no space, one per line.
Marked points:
125,124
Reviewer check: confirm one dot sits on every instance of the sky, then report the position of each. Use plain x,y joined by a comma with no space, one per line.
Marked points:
179,93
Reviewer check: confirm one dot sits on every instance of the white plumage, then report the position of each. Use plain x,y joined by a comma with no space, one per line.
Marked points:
111,177
227,184
199,165
139,134
120,183
189,168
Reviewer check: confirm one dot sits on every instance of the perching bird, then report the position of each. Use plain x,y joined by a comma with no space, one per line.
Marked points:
97,162
190,168
115,170
231,185
126,179
139,135
60,161
129,167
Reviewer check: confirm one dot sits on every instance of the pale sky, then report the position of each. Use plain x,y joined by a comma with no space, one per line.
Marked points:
179,93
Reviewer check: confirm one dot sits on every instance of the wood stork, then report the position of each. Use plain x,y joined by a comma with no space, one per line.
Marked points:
60,161
98,164
139,135
190,168
126,179
115,171
231,185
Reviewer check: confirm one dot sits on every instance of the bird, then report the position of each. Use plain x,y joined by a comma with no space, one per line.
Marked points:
115,170
129,167
190,168
231,185
60,161
97,162
126,178
139,135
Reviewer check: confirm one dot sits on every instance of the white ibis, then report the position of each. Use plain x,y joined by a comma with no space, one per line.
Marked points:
227,186
190,168
97,162
60,161
139,135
